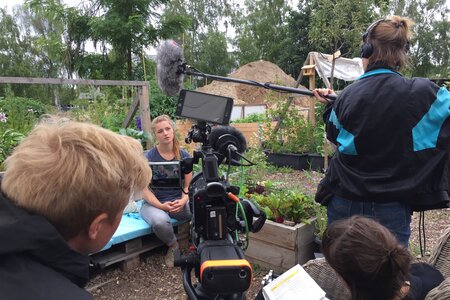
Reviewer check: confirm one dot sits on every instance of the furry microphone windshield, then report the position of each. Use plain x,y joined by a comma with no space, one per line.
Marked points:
171,67
168,61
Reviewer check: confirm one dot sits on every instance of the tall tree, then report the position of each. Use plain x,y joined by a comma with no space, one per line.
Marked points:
202,16
295,47
338,24
430,46
123,28
14,48
45,20
261,27
21,55
214,58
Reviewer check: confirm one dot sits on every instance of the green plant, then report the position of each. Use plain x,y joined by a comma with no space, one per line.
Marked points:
286,205
17,117
8,140
296,134
252,118
107,113
253,174
320,212
21,113
139,135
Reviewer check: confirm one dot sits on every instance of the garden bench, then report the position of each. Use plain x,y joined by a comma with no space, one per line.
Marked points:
133,237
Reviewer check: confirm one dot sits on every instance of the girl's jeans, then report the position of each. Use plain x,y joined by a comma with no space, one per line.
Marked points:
160,221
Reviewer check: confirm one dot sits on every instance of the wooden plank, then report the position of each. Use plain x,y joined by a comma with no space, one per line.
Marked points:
116,255
183,228
34,80
271,254
130,264
278,234
132,245
254,261
305,252
312,100
306,242
145,110
183,233
131,112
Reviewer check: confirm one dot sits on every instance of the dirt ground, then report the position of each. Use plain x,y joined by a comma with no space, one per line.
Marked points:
153,280
259,71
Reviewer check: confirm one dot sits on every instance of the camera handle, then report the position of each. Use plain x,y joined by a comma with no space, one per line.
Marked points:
187,263
251,211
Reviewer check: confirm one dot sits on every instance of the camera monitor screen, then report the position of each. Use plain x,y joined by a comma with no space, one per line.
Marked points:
165,175
204,107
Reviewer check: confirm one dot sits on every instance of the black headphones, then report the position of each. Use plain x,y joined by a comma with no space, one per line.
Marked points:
366,47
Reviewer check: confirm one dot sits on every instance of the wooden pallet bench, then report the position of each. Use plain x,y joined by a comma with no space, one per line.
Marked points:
133,237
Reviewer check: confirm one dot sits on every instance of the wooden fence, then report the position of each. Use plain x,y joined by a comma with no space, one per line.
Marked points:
253,133
141,98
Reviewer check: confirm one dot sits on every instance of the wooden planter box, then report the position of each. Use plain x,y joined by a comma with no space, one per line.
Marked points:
291,160
280,247
304,161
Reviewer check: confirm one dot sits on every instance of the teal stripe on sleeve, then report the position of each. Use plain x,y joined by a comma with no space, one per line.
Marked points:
345,139
425,134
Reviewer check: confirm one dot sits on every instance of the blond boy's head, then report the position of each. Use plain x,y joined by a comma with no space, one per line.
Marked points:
71,173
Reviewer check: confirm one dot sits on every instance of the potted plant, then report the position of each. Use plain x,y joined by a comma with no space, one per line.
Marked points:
297,143
288,237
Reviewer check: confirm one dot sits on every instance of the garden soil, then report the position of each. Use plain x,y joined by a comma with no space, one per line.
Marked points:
260,71
153,280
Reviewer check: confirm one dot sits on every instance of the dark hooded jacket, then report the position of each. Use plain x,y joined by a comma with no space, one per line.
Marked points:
35,261
392,136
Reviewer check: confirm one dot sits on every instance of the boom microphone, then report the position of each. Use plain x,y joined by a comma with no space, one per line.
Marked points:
171,66
168,61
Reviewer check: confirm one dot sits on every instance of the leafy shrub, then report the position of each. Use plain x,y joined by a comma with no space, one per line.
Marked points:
139,135
8,140
22,113
296,134
252,118
17,117
286,205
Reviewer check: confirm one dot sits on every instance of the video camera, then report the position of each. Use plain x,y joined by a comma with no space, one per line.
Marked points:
218,215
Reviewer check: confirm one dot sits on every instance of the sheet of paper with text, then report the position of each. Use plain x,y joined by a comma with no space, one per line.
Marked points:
293,284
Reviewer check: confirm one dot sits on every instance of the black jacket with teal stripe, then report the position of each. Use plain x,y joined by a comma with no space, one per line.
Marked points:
392,136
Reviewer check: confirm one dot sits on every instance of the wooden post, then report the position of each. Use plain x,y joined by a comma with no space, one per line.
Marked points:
132,111
309,70
312,86
144,92
325,152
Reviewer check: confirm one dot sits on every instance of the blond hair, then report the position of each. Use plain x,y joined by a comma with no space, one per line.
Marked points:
176,143
390,40
70,172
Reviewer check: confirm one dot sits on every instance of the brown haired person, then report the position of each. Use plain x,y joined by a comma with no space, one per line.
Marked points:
62,197
163,204
392,136
368,257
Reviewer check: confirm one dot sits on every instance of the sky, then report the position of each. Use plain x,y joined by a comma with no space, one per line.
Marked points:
11,3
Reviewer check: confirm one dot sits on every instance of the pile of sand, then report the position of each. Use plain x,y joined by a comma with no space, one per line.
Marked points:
260,71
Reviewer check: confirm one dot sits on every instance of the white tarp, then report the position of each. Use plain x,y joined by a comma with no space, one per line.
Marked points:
345,68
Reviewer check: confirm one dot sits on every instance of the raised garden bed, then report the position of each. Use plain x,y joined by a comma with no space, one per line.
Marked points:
280,247
303,161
